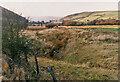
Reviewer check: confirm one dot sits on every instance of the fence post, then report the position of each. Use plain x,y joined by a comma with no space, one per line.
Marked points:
52,74
37,65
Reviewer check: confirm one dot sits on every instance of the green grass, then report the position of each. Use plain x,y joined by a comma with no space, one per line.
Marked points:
105,29
94,15
68,71
88,54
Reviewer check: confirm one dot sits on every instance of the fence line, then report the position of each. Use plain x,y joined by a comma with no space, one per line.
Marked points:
51,72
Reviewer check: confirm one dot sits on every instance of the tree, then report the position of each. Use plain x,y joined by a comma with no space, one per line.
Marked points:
14,43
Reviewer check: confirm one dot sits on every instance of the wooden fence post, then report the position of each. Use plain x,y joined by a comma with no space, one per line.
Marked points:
52,74
37,68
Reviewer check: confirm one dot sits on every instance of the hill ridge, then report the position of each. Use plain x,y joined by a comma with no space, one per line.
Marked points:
90,16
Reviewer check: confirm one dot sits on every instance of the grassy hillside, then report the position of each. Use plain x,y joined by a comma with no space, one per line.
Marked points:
90,16
77,54
73,54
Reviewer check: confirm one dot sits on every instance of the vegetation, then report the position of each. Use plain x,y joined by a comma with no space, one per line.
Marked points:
17,48
94,22
65,50
68,71
106,29
90,16
38,23
74,54
76,23
78,52
51,25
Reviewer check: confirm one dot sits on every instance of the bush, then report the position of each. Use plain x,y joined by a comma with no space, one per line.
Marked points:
50,25
14,44
54,43
70,23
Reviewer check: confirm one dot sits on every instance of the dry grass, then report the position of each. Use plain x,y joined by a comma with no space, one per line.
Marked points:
92,26
87,53
68,71
36,27
13,71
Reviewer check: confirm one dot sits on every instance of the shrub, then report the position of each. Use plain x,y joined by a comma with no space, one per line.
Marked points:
50,25
54,43
70,23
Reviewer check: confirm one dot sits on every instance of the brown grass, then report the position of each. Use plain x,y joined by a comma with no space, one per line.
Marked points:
94,53
92,26
36,27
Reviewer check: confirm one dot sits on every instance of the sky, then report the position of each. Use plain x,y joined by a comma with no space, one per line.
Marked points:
36,9
59,0
58,8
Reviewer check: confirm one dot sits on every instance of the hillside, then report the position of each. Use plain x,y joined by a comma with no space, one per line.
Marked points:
77,54
90,16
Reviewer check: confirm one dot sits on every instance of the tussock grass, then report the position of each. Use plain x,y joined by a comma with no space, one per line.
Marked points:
79,53
68,71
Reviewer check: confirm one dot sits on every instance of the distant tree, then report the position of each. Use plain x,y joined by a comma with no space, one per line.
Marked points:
50,25
38,22
63,22
42,22
50,20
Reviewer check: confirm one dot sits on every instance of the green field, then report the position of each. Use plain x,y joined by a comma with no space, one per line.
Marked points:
105,29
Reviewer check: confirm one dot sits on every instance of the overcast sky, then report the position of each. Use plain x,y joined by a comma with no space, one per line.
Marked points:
58,8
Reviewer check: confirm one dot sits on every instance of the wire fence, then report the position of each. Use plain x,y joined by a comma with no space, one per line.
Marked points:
49,68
